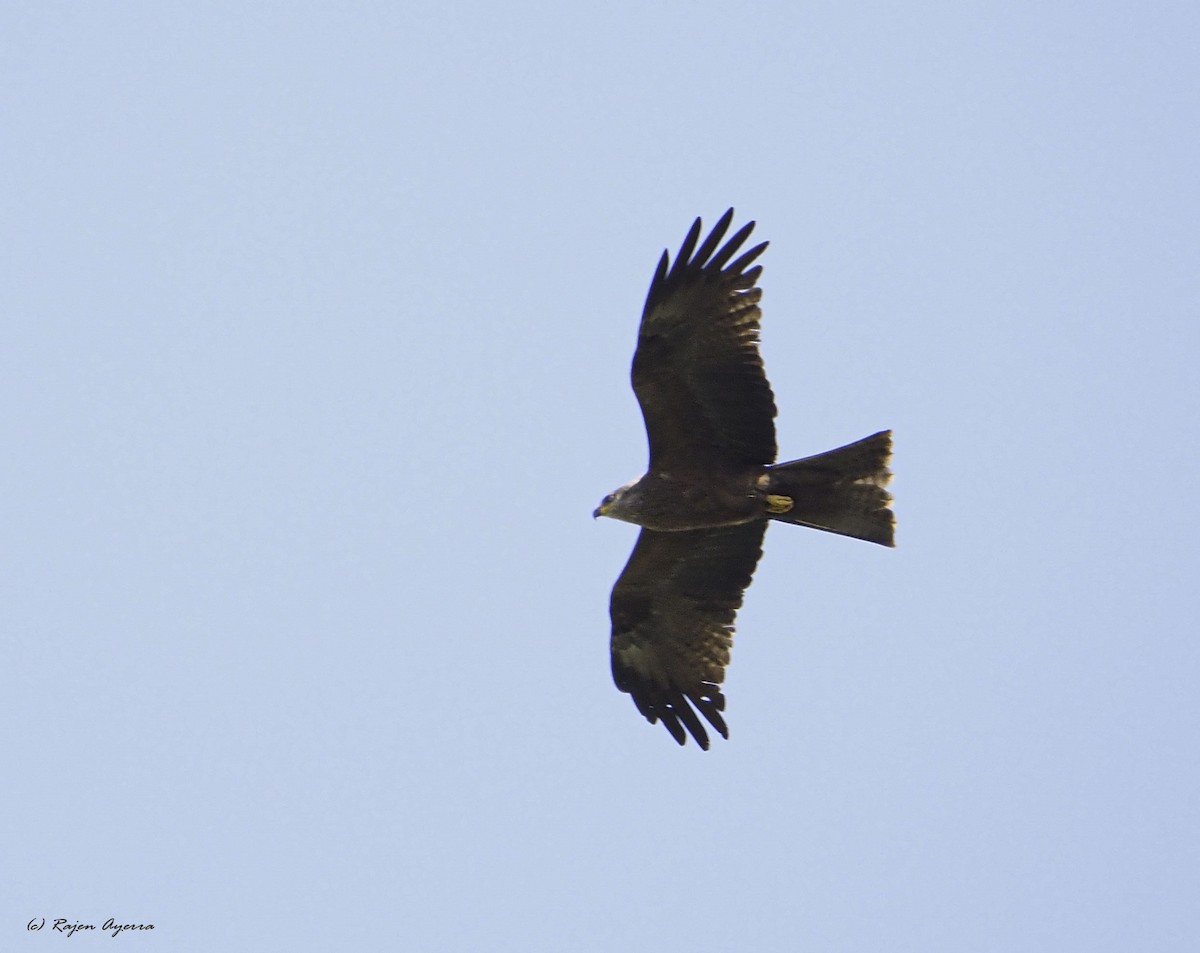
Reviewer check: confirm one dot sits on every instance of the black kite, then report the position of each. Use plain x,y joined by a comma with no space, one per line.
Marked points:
713,484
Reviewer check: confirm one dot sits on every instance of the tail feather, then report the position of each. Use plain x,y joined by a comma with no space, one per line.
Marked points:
840,491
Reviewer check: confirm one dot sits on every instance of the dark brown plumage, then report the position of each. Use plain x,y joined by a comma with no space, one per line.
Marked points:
712,483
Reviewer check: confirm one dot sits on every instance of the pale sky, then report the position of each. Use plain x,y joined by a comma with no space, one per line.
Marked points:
315,350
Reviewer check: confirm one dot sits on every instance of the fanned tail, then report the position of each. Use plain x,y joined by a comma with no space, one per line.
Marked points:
840,491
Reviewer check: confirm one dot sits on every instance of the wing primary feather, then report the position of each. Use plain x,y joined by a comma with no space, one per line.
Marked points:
671,723
731,247
661,272
710,709
688,717
645,706
713,240
685,250
739,266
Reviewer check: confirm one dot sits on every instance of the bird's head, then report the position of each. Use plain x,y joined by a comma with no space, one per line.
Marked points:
620,504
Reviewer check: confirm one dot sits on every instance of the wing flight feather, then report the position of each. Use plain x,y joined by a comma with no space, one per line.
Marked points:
673,612
697,371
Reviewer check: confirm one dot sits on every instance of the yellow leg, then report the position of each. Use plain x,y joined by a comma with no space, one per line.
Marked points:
777,504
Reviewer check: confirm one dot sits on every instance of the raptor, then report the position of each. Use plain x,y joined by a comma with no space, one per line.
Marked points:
713,485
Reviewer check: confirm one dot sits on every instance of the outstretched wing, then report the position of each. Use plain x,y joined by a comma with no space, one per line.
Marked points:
697,372
672,622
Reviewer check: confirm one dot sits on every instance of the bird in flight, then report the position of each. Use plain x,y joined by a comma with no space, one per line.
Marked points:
713,483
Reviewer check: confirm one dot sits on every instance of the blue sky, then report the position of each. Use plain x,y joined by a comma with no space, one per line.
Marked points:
317,326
